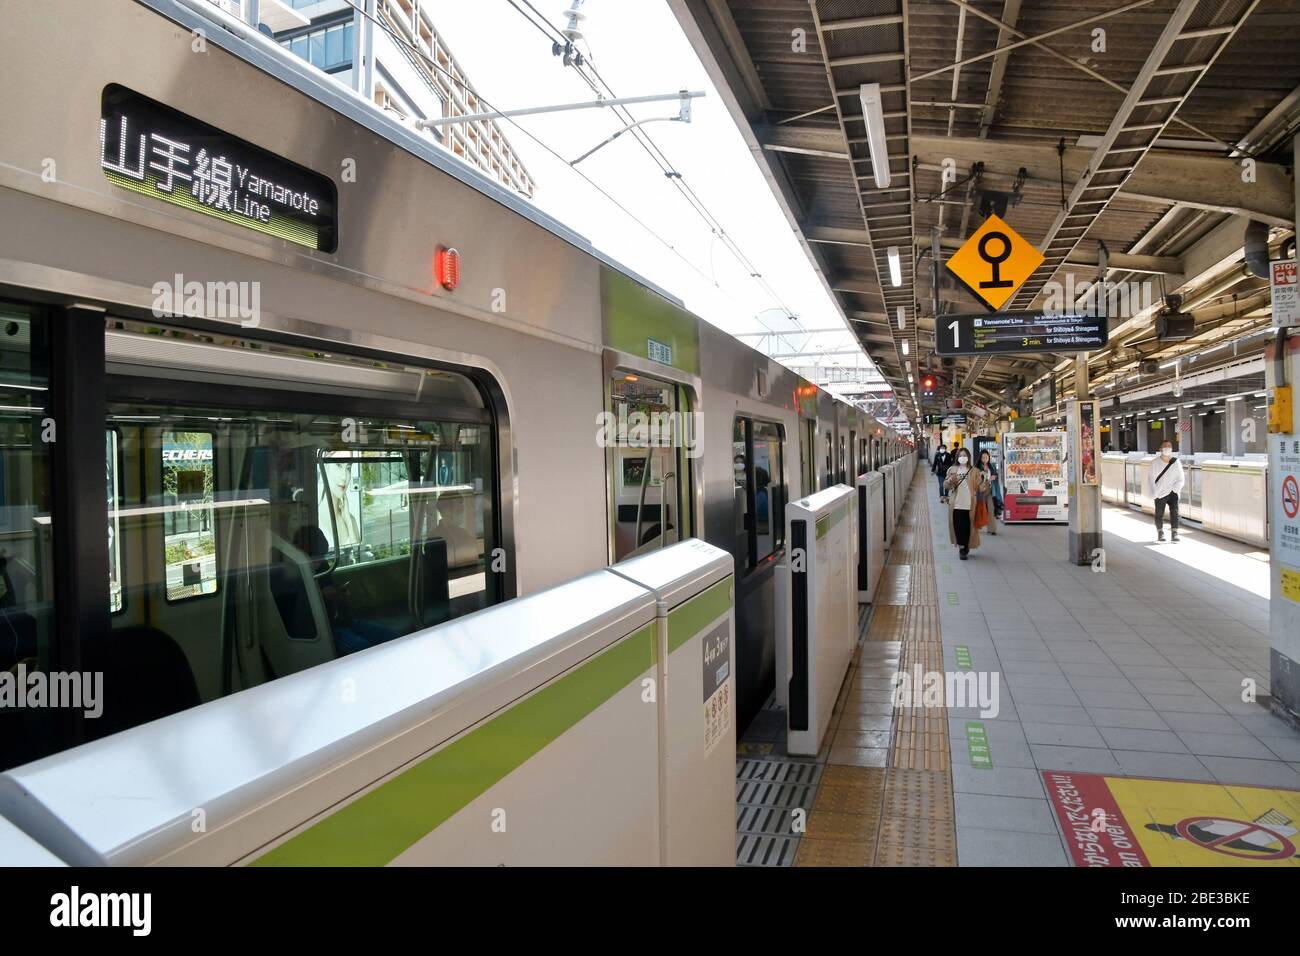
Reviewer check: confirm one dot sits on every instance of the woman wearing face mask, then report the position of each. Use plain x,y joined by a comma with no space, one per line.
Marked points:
992,504
964,484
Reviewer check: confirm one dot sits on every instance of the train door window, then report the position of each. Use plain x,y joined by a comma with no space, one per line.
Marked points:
843,460
26,543
830,461
306,507
808,455
189,523
759,490
113,496
853,455
648,449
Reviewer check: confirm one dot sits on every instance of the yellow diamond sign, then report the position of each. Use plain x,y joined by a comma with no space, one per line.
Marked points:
994,262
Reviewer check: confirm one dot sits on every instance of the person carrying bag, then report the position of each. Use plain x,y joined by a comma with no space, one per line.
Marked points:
1165,481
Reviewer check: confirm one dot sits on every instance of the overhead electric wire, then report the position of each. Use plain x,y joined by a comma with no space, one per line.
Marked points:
464,84
651,148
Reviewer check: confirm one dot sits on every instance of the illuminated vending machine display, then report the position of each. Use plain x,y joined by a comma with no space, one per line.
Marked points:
1035,475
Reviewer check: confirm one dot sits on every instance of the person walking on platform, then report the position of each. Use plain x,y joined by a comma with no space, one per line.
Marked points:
964,484
1165,482
942,462
992,500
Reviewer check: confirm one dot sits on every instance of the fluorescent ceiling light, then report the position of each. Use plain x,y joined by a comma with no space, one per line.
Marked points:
873,115
909,374
895,268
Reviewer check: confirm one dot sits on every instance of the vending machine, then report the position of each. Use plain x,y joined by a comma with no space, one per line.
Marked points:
1035,477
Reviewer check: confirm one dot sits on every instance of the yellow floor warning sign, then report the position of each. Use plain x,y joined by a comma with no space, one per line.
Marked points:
1136,821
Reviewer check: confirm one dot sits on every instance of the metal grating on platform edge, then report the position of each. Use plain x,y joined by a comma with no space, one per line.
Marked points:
766,792
754,849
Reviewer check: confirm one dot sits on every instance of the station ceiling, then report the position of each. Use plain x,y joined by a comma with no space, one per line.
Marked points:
1112,128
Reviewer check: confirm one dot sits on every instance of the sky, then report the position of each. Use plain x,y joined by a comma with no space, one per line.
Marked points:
639,49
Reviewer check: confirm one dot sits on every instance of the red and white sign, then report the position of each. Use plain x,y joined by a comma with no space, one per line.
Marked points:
1095,829
1290,496
1284,283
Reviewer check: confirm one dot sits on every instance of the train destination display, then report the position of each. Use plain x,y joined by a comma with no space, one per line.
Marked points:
152,149
1019,332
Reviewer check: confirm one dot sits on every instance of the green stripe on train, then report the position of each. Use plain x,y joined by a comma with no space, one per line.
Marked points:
688,619
636,316
375,828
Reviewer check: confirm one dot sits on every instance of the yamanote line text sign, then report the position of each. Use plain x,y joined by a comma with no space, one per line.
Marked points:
1018,332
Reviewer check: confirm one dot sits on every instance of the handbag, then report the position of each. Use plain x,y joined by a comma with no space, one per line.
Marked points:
980,516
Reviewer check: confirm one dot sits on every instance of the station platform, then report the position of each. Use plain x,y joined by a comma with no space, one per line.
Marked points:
1120,730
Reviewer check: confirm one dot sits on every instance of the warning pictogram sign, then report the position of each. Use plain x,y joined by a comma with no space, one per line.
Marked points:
1290,496
1136,821
994,262
1246,840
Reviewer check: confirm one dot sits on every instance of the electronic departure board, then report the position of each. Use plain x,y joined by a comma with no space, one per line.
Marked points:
1019,332
156,151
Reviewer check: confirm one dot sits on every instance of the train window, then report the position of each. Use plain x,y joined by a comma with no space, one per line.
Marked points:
26,579
828,476
760,492
189,525
843,460
317,505
740,486
647,448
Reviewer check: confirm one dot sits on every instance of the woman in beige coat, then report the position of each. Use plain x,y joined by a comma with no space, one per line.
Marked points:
964,484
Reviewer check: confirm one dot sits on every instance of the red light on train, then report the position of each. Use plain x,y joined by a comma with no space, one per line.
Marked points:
927,382
446,268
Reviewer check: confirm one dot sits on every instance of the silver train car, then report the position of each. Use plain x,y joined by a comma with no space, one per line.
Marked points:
255,423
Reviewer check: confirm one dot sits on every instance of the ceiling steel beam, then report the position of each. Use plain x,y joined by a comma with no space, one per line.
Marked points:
1008,26
1055,248
1034,39
1204,182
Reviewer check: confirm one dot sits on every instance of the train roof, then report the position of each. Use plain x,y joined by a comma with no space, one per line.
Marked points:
265,54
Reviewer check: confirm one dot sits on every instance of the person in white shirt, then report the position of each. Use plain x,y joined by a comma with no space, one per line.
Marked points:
964,484
1165,482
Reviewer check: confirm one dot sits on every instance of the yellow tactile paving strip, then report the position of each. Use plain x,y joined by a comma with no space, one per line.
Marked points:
900,813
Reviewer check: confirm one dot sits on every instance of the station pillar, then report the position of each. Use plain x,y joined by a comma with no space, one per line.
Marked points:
1282,373
1236,412
1083,424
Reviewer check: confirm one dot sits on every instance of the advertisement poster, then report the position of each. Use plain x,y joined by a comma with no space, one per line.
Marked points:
1035,476
1088,441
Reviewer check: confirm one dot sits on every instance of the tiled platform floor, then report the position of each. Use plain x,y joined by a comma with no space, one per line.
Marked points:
1136,671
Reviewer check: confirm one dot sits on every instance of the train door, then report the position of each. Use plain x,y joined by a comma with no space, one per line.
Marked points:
650,469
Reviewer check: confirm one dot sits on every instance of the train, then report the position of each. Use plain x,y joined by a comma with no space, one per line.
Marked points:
283,385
